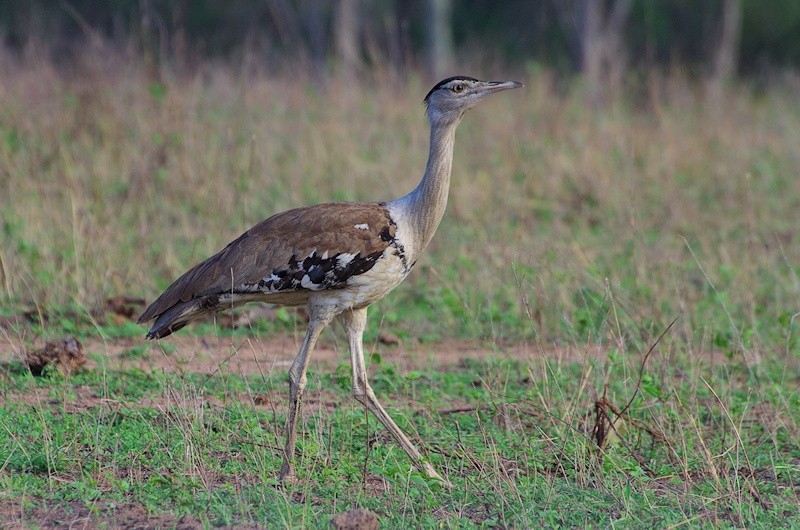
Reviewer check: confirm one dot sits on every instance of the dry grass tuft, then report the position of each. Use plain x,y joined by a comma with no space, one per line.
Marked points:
669,207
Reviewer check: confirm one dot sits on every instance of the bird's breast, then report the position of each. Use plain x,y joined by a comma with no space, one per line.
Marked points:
388,271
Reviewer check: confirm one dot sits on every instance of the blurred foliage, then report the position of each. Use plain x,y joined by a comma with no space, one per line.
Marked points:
659,33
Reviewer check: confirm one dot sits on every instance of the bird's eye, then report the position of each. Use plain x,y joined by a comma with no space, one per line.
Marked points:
458,88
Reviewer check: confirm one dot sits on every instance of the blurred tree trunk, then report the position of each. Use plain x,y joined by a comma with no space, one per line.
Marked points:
598,27
727,51
346,18
604,54
302,34
440,37
312,18
287,25
150,41
180,42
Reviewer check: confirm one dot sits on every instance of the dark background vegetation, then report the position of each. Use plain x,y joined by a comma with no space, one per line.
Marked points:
710,37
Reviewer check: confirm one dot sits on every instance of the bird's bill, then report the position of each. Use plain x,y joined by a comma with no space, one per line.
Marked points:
497,86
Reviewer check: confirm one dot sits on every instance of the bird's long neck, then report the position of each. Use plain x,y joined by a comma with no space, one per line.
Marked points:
422,209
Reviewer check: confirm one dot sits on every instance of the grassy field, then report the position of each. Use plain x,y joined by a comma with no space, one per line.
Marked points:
531,365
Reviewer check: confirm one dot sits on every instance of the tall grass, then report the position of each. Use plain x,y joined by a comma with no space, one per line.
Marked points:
667,206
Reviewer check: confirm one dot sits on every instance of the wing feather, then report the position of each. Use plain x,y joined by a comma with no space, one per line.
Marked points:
290,245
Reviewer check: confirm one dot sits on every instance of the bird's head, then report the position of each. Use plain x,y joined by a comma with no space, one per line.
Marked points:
450,98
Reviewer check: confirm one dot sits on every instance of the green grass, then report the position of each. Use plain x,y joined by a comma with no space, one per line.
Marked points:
515,439
576,231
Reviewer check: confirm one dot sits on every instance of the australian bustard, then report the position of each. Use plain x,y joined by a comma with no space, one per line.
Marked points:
336,258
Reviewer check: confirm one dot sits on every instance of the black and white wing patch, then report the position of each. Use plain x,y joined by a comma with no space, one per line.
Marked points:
316,272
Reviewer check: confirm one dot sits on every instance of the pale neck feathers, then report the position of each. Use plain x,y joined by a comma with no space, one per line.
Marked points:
419,213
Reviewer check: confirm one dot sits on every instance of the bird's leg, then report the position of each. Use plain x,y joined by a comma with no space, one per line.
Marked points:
319,318
354,322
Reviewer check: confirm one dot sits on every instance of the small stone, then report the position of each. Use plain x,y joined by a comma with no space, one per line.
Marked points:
124,306
358,519
389,338
67,355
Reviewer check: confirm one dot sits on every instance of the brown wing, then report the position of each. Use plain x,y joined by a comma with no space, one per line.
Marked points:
315,247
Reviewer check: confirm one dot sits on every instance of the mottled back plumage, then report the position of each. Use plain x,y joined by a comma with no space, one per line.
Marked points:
337,241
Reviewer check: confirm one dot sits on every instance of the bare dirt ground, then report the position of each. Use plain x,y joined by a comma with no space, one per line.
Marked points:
265,357
244,355
78,515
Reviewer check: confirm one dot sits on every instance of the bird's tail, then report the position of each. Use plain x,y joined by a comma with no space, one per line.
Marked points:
178,316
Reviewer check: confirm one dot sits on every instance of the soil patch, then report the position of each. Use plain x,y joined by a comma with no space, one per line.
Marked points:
211,355
264,355
78,515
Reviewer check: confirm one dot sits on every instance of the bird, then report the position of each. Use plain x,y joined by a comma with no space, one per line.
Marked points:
334,258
